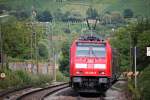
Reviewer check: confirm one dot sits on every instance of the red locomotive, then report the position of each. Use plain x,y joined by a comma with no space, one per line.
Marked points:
93,64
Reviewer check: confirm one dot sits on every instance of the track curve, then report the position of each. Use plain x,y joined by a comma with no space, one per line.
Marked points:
41,93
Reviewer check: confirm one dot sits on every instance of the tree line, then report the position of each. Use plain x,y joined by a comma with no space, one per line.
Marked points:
135,34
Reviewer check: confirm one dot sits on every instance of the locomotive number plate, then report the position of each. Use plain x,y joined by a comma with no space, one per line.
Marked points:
90,72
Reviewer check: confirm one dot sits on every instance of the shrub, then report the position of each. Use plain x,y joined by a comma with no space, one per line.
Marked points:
128,13
19,78
41,79
60,77
133,92
144,83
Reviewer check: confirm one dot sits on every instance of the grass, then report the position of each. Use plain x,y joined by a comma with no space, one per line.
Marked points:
142,92
134,92
139,7
76,8
144,83
20,78
60,77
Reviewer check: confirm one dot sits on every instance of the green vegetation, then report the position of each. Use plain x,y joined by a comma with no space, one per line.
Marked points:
129,36
144,83
20,31
44,16
60,77
92,13
139,7
64,59
133,92
54,38
128,13
19,78
16,38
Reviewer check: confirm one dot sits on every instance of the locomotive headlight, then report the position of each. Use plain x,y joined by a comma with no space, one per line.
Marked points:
81,65
102,72
79,72
100,66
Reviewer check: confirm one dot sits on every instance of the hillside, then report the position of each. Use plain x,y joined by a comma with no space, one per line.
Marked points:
139,7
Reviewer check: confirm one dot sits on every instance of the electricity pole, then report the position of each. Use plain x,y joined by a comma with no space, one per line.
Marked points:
54,51
135,57
34,41
47,30
1,42
130,51
135,66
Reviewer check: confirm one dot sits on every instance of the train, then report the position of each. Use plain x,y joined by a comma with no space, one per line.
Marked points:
94,64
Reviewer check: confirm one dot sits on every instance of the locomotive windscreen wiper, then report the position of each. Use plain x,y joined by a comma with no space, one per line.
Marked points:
93,53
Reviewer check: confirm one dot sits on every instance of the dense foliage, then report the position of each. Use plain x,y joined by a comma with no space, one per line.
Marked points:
17,32
144,83
43,50
64,59
128,13
16,38
134,34
44,16
18,79
92,13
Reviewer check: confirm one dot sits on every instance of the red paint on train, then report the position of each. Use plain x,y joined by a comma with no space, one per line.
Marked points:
93,63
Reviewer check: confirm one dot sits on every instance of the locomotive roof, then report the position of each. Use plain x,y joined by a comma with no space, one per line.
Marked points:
91,37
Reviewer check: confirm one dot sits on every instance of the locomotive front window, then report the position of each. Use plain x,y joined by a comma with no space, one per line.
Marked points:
82,51
91,51
98,51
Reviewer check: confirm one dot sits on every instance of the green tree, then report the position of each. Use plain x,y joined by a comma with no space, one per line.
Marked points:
116,17
44,16
64,59
134,34
58,14
91,13
122,43
144,83
128,13
43,50
16,39
21,14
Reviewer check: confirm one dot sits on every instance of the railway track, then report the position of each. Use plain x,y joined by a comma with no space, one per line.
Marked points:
14,93
40,94
70,94
61,91
116,92
91,97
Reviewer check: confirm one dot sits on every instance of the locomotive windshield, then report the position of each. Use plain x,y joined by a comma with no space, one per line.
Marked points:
91,50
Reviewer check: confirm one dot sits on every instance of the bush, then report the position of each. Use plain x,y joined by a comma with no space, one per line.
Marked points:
128,13
44,16
41,79
60,77
144,83
23,76
10,80
134,93
19,78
